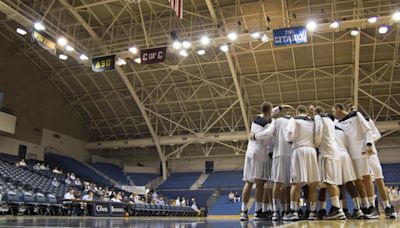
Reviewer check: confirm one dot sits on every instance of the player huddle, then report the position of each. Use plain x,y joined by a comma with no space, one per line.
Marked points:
313,152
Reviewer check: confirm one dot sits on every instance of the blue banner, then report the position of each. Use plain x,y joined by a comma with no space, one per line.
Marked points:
288,36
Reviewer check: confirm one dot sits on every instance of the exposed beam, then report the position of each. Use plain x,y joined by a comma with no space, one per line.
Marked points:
379,101
212,11
356,69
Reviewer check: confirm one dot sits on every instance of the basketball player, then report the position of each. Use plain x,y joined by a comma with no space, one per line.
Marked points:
281,159
267,195
376,167
359,134
255,163
348,174
305,137
329,162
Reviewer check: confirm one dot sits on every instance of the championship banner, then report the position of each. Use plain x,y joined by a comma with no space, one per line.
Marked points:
288,36
137,190
44,41
103,63
154,55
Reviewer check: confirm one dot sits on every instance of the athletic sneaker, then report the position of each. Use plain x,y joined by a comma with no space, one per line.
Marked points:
258,215
276,216
268,215
294,216
312,215
244,216
371,213
357,214
335,213
321,213
286,216
389,213
347,213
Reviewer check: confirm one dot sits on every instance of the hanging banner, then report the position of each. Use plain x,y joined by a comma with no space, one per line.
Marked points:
288,36
103,63
44,41
154,55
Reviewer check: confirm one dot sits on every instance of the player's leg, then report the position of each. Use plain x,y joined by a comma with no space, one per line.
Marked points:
336,211
322,202
313,197
276,200
267,200
248,185
294,201
258,197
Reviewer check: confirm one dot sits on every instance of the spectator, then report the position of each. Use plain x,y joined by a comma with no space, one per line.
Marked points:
36,167
183,202
194,207
54,182
117,197
177,202
77,182
154,196
69,195
22,163
56,171
72,177
88,196
237,197
160,201
231,197
68,181
87,206
42,167
47,167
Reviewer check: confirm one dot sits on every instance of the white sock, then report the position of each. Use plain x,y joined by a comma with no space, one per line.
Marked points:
244,207
364,202
335,202
276,204
264,207
386,203
313,206
294,205
356,203
269,206
258,206
322,205
371,201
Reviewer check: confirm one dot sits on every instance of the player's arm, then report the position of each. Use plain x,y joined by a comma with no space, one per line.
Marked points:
318,130
376,135
266,133
367,131
290,130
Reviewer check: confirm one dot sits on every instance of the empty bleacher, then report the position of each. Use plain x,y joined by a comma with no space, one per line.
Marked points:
69,164
224,180
180,180
111,170
141,179
391,173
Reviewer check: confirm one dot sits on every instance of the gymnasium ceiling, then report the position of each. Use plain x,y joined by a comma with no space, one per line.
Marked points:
198,93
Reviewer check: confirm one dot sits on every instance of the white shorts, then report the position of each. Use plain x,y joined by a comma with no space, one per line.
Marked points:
376,167
254,170
268,168
348,172
304,166
362,167
280,171
331,171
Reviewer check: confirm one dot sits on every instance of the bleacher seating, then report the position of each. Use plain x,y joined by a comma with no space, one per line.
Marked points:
391,173
180,180
111,170
224,207
201,196
69,164
141,179
224,180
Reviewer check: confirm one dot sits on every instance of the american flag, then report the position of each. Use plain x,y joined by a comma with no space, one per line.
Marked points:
177,5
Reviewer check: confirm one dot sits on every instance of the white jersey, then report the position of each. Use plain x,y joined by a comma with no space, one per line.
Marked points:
281,146
341,140
376,135
301,132
328,147
258,149
358,132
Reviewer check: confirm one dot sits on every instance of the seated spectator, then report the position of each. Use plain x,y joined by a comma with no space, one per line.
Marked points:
36,167
42,166
72,207
160,201
87,206
117,198
194,207
231,197
177,202
237,197
88,196
69,195
72,177
154,196
54,182
22,163
77,182
68,181
47,167
183,202
56,171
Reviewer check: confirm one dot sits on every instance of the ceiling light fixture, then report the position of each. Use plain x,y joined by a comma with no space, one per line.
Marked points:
62,41
186,44
334,24
396,16
372,20
255,35
383,29
224,48
83,57
138,60
265,38
133,50
69,48
21,31
205,40
176,45
355,32
201,51
39,26
183,53
232,36
311,25
120,62
63,57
